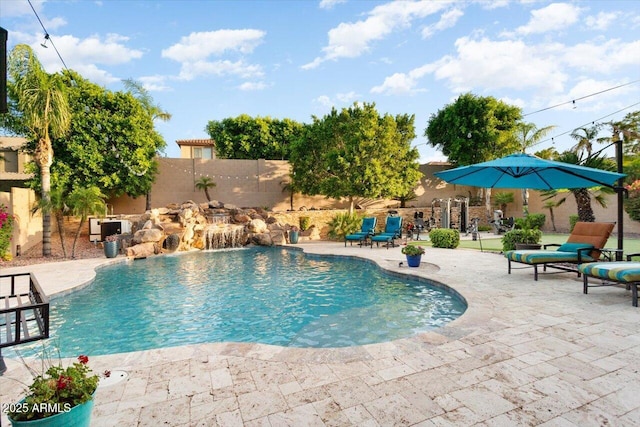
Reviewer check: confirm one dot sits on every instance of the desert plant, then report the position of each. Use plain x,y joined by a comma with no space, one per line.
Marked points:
204,184
343,224
305,222
444,238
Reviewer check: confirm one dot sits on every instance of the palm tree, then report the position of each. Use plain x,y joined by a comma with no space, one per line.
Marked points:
288,186
551,204
45,113
145,99
585,136
205,183
58,207
85,202
528,135
583,195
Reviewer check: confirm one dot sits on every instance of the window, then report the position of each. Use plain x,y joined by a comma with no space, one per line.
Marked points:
197,152
9,161
206,153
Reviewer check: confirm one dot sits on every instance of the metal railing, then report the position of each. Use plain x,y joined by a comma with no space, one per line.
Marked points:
24,310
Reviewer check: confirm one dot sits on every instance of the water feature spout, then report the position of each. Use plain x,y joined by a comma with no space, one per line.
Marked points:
220,236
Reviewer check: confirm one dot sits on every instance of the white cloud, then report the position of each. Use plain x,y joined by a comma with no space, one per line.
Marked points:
350,40
154,83
556,16
447,20
200,45
401,83
328,4
191,70
603,58
347,98
323,101
251,86
602,21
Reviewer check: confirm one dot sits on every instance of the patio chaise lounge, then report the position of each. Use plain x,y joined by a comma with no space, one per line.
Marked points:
367,229
613,273
582,246
392,231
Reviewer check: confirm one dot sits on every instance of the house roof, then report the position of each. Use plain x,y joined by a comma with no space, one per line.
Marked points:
12,142
195,142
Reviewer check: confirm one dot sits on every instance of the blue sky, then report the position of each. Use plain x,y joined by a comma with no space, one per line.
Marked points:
208,60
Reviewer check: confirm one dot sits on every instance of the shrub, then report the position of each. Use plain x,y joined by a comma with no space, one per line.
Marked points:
529,236
534,221
343,224
444,238
305,222
572,222
6,229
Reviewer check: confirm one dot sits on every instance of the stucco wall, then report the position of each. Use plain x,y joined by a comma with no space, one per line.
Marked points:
27,230
259,183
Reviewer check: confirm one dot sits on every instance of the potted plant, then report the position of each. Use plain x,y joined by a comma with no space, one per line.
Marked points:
294,234
111,246
525,236
414,254
58,397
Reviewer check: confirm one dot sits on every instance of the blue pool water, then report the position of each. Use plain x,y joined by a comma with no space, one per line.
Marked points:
264,295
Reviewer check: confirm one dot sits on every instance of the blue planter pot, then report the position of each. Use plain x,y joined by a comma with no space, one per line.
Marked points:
414,260
111,249
78,416
293,236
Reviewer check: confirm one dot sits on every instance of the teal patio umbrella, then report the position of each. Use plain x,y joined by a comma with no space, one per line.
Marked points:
527,171
523,170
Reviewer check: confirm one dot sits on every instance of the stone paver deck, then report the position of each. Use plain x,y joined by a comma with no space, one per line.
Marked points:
525,353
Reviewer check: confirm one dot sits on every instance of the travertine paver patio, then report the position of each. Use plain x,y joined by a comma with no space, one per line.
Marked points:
525,353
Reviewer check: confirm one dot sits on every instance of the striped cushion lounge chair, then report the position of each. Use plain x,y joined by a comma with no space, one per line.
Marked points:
581,246
613,273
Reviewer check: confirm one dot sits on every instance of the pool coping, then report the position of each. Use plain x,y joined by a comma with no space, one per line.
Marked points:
509,358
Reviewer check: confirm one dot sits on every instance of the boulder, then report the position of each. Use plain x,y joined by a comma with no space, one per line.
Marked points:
257,226
142,250
262,239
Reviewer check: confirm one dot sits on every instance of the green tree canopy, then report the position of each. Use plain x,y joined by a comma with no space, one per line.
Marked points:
112,143
356,153
245,137
474,129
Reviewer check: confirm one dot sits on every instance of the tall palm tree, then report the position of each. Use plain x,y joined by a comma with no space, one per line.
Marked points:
45,112
528,135
585,136
583,195
85,202
56,206
138,90
205,183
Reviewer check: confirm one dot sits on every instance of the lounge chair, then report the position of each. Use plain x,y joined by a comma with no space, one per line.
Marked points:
367,229
392,231
613,273
581,246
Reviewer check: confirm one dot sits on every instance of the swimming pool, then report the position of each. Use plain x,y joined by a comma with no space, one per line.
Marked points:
264,295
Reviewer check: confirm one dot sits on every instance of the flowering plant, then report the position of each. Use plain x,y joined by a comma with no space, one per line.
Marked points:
632,203
412,250
56,390
6,229
112,238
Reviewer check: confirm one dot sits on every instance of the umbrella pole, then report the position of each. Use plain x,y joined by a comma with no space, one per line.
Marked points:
620,191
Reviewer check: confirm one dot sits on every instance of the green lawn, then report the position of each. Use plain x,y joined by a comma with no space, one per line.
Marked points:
491,242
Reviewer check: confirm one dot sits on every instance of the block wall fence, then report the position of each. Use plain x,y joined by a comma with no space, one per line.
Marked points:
261,183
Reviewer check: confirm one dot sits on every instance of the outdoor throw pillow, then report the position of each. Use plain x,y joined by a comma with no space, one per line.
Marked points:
573,247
